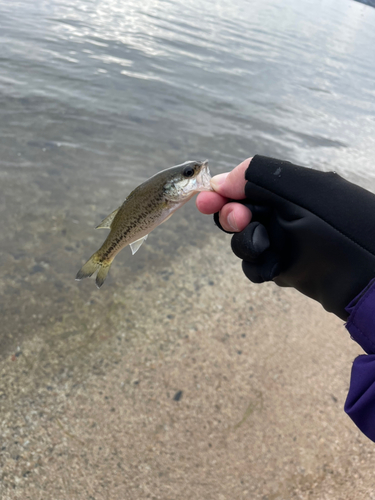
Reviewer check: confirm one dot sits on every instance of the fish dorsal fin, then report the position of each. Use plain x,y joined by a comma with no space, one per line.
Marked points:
106,223
137,244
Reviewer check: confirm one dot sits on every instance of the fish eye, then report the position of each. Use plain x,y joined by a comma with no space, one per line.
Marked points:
188,172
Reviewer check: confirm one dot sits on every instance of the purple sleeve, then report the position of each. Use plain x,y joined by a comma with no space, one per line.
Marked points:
360,402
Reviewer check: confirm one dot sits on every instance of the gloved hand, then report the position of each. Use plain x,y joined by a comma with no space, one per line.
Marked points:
310,230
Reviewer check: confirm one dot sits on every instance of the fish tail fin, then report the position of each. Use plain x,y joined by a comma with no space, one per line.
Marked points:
87,270
92,265
102,273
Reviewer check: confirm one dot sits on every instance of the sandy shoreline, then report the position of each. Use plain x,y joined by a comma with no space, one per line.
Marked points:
196,384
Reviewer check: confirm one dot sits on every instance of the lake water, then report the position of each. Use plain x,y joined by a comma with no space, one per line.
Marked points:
97,96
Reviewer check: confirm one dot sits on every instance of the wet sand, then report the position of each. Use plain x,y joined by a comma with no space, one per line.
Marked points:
191,384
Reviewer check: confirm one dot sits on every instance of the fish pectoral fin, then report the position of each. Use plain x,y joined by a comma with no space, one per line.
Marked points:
106,223
165,220
137,244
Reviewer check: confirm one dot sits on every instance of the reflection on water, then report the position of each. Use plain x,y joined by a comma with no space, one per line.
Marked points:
97,96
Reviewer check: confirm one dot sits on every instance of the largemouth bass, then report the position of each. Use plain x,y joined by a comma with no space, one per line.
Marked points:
149,205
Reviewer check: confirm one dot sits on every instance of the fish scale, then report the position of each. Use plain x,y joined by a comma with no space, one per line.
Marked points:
148,205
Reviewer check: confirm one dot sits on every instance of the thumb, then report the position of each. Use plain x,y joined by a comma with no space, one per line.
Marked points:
232,185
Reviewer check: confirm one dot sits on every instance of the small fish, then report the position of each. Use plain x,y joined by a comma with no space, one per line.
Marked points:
149,205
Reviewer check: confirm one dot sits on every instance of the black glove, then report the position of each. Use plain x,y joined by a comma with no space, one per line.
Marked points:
310,230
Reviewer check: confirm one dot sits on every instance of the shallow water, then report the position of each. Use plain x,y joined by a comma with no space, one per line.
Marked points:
97,96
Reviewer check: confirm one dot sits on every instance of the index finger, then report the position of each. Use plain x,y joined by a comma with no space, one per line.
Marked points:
232,185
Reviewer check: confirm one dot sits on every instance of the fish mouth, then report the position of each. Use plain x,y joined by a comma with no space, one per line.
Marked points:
204,178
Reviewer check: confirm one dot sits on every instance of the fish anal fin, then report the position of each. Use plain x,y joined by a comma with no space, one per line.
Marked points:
137,244
107,222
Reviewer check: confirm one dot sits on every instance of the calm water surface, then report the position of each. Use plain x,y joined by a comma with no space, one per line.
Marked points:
97,96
